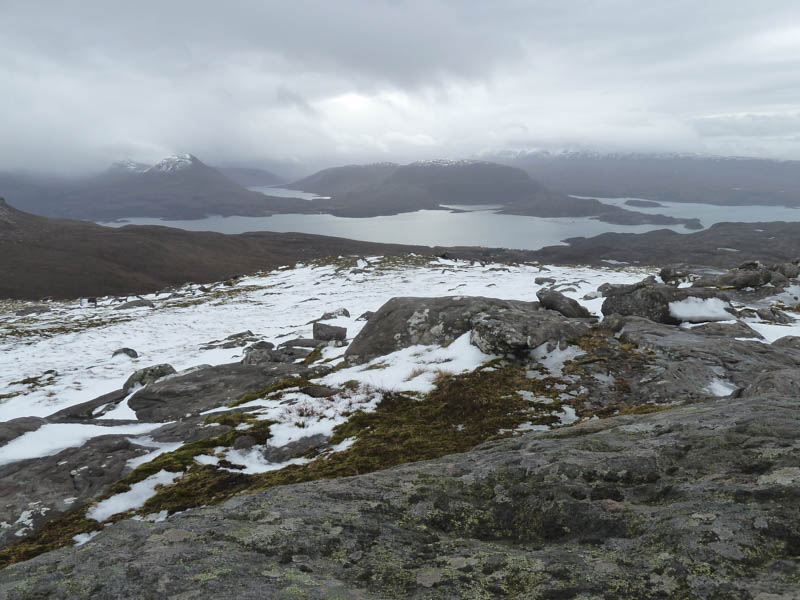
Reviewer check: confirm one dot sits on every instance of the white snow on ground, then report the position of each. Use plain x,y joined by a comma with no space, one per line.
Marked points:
52,438
254,462
415,368
82,538
134,498
122,411
554,360
275,306
698,310
719,387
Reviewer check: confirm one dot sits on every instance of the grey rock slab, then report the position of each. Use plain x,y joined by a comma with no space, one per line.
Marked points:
685,499
553,300
203,389
14,428
36,490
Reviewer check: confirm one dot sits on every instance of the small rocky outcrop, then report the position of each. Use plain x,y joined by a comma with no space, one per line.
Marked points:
560,303
262,353
329,333
404,322
129,352
652,301
147,375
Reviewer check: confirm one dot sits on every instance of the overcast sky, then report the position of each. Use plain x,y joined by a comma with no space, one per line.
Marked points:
85,82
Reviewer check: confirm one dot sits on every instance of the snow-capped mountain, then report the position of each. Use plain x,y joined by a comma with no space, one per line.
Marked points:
174,163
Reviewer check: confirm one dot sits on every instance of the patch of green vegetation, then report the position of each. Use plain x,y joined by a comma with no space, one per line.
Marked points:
316,354
283,384
54,534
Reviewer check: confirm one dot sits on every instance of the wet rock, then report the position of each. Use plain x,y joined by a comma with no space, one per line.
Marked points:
404,322
129,352
147,375
560,303
329,333
140,303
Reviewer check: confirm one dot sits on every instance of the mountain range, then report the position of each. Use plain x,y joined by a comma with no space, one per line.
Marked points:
177,187
664,177
389,188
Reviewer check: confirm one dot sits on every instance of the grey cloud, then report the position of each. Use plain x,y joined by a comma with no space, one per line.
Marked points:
305,82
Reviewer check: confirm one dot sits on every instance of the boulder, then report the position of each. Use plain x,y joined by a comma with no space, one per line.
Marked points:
147,375
560,303
265,352
339,312
739,329
544,280
404,322
129,352
140,303
329,333
236,340
653,301
788,341
515,331
787,269
365,316
774,315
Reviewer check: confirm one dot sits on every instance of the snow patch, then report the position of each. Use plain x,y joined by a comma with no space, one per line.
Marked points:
135,497
699,310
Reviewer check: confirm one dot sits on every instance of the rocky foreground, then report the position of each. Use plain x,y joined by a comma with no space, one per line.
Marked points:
638,440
